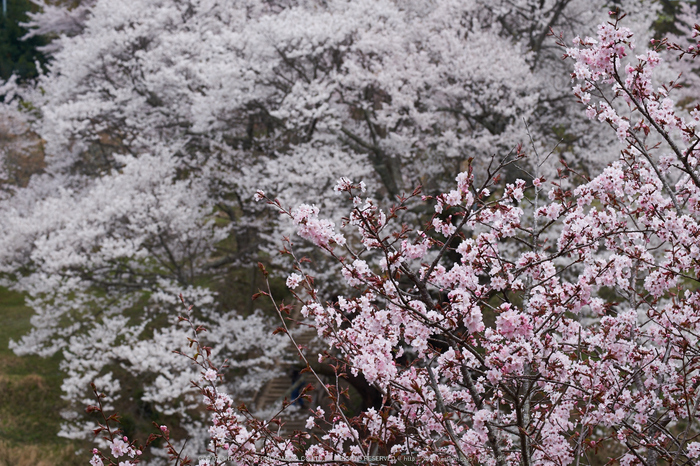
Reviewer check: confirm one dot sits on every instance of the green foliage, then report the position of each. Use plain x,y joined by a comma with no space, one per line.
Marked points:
666,22
17,55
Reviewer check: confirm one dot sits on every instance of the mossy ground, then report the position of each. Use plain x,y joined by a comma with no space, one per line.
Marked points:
30,398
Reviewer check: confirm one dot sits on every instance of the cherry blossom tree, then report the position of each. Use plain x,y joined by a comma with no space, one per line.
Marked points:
160,119
683,66
525,323
53,19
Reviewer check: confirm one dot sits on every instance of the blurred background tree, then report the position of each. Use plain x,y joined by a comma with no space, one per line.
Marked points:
16,55
667,22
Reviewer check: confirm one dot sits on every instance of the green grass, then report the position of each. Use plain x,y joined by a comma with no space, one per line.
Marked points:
30,396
